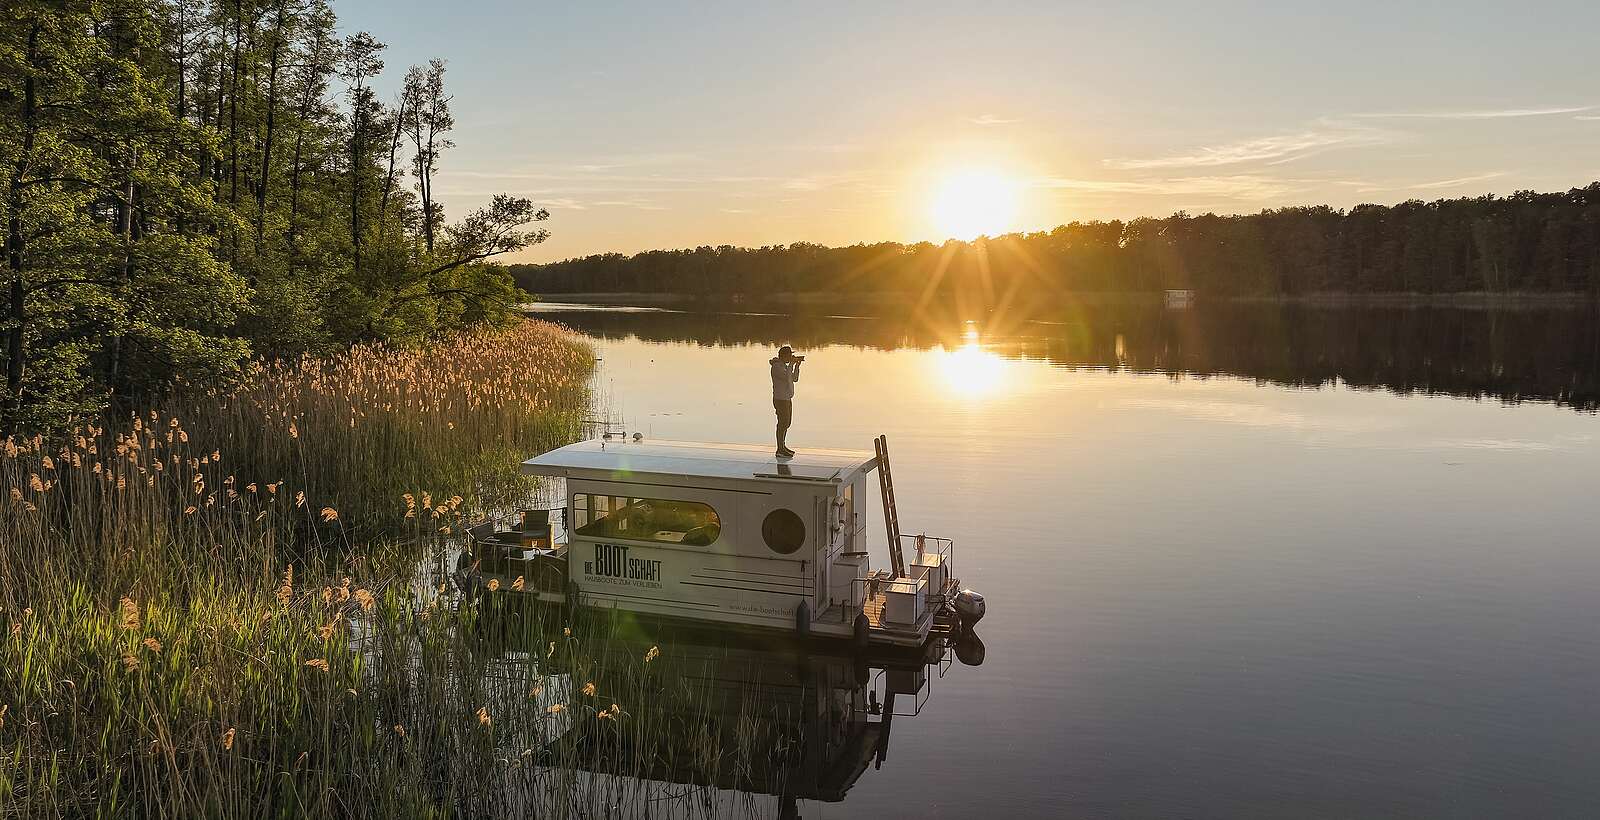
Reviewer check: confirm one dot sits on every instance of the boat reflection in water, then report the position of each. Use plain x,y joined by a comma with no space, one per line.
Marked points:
708,724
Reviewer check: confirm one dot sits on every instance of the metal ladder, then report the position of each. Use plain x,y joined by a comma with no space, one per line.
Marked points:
891,518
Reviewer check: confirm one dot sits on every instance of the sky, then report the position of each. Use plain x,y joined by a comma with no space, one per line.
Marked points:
650,125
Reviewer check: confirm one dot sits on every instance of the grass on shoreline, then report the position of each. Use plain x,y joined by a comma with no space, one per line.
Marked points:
214,608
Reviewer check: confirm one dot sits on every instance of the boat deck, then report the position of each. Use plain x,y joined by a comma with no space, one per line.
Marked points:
873,607
874,603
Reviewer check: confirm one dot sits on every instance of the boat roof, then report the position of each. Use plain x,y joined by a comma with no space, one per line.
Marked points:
619,458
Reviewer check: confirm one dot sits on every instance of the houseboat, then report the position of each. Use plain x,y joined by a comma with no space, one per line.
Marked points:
725,534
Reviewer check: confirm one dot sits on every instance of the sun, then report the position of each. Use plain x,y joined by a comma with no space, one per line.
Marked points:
974,202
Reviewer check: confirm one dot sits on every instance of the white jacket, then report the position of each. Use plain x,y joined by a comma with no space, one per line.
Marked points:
784,375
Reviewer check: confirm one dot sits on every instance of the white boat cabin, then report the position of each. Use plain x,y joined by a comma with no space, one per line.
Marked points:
727,533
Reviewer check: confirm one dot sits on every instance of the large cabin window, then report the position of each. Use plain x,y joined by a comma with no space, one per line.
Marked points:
689,523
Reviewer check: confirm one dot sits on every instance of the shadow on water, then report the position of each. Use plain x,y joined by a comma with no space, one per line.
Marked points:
1513,355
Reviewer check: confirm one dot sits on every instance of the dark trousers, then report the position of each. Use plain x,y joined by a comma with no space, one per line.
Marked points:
785,409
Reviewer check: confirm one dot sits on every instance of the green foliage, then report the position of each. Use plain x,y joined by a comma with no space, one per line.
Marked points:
183,184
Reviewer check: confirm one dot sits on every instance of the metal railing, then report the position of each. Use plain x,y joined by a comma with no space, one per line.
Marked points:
887,681
876,589
923,544
865,589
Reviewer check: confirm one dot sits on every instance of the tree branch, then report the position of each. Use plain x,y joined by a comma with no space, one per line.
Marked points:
465,260
58,282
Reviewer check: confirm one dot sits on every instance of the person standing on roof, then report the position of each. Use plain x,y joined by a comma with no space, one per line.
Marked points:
785,372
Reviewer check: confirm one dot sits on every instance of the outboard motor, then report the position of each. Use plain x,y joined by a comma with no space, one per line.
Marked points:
969,607
970,649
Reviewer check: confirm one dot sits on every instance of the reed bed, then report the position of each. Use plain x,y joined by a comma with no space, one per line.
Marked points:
221,607
340,702
361,429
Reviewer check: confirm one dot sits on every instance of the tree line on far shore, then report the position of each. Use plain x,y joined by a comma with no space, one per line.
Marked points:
1526,242
187,183
1549,354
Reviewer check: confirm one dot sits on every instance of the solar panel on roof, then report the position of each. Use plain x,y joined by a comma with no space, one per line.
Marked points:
672,458
801,472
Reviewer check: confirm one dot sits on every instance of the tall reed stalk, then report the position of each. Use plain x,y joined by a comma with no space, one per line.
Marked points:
214,608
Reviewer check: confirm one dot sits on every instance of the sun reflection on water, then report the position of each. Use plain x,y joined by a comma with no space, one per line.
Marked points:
970,371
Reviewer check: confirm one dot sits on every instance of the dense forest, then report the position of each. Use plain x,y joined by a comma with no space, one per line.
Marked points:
188,183
1526,242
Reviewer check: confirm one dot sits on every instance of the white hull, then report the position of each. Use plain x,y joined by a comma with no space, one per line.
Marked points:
831,624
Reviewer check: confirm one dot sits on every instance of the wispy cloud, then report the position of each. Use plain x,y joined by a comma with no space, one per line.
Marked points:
580,181
640,204
636,167
564,204
1243,187
1273,150
818,182
644,159
808,182
1479,114
990,119
826,148
1451,183
1232,186
1589,117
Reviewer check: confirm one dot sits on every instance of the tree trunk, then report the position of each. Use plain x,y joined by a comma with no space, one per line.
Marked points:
425,183
294,189
183,100
266,144
394,149
308,101
355,181
203,104
233,111
222,99
125,226
16,315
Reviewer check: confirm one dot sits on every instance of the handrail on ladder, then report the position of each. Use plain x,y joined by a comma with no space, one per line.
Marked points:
891,518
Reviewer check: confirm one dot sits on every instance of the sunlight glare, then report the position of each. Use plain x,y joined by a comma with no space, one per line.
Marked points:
970,203
971,372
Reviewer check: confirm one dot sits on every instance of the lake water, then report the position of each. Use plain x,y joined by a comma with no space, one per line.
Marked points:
1239,562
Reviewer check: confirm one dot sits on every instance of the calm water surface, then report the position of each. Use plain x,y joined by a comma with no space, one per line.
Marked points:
1239,563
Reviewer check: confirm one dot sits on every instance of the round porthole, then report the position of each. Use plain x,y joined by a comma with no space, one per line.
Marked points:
783,531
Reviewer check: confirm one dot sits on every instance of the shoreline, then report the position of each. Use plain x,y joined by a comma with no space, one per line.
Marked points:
1478,300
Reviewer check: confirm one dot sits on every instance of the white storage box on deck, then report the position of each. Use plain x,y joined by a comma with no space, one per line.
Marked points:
842,586
904,601
930,567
